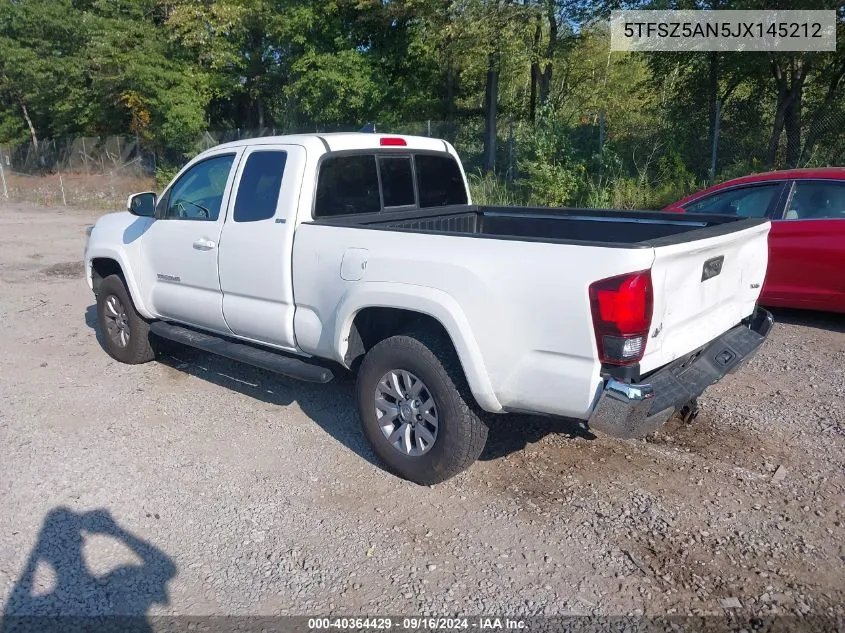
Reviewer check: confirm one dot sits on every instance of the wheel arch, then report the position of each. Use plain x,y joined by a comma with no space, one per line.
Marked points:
372,316
103,265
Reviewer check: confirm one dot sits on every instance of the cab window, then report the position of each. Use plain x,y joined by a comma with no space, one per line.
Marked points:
439,181
347,185
258,191
397,181
369,183
198,194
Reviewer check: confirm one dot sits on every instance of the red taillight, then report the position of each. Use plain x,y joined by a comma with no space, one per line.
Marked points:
621,308
392,141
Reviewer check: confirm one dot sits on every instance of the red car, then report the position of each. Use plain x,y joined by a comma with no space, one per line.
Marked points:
807,241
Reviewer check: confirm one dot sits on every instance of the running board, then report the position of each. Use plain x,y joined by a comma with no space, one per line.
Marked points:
243,352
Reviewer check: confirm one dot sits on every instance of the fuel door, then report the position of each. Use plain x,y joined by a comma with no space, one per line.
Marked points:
354,264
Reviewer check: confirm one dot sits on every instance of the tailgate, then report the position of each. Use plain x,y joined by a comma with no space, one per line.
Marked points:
692,306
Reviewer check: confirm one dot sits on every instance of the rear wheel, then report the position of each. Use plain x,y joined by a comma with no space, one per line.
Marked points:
126,333
416,409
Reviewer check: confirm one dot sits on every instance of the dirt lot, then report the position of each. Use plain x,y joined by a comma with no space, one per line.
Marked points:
228,490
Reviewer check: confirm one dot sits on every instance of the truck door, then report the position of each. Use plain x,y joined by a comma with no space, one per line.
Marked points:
180,246
257,244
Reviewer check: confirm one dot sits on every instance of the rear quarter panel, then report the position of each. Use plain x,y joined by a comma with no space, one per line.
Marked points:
517,312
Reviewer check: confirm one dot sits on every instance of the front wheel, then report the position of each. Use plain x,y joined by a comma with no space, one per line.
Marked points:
416,409
126,333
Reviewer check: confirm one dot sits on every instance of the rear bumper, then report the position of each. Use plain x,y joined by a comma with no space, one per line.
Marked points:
629,410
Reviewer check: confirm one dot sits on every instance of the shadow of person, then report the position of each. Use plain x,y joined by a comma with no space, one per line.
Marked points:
72,597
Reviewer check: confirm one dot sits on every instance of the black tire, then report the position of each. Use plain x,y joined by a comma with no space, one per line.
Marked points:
134,347
461,434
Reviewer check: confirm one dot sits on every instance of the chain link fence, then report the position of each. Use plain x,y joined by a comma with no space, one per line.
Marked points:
82,171
749,137
595,161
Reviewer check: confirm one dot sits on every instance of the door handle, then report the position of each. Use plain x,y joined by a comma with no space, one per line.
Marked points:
203,244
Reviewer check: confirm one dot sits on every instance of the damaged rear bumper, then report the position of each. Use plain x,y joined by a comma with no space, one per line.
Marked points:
630,410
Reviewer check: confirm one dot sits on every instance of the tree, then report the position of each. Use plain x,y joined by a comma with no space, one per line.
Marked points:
139,82
335,88
236,42
794,76
41,72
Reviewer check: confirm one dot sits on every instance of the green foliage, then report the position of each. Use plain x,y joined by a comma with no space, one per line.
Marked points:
550,174
165,173
590,126
139,83
742,168
41,68
551,184
334,87
95,68
487,189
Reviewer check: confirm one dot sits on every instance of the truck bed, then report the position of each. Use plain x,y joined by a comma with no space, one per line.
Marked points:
516,281
593,227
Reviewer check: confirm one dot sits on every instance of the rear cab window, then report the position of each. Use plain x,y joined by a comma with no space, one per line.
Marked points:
397,181
374,182
439,181
347,185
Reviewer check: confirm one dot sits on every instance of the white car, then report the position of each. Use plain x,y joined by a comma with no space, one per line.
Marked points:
299,254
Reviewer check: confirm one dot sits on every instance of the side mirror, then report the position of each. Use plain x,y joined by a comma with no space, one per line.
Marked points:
142,204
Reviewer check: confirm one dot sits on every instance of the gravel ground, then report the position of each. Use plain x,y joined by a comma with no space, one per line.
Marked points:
198,486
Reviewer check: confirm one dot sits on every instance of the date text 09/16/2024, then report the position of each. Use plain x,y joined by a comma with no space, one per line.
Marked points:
416,623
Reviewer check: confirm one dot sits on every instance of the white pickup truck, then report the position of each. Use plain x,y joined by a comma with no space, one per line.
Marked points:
300,254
